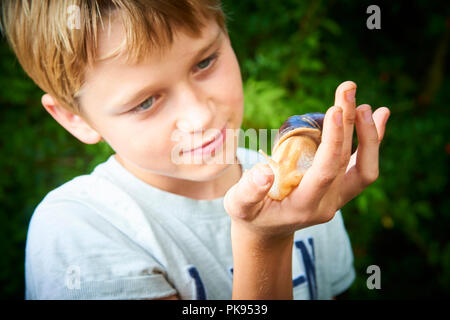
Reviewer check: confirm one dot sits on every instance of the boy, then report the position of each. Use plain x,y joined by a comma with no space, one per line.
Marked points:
151,77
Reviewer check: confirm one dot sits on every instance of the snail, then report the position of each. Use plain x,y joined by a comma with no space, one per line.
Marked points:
294,148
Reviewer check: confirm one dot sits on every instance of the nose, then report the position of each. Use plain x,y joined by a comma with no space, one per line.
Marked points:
196,111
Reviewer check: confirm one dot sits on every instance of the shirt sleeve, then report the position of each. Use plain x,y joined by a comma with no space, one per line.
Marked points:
342,271
73,253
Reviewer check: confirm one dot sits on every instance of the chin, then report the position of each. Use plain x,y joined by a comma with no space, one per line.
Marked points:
208,172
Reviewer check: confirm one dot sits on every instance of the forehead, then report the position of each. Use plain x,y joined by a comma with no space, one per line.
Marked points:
112,42
113,37
117,73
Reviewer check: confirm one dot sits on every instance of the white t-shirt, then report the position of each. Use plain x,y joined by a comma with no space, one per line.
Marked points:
109,235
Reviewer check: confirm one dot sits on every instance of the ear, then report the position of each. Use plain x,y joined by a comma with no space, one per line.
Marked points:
72,122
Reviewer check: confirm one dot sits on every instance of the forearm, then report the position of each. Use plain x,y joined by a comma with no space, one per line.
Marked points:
261,269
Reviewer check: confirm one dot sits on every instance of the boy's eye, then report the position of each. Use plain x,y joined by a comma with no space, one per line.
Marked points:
147,104
207,62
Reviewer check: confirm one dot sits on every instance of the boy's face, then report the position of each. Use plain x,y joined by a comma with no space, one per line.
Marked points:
193,87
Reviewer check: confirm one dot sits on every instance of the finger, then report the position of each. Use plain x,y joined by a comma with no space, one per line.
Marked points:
380,117
368,146
325,168
345,98
245,197
365,169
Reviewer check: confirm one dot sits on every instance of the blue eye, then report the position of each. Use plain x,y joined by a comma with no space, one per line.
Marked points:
207,62
147,104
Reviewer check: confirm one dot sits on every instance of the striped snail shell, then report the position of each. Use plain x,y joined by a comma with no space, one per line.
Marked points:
294,148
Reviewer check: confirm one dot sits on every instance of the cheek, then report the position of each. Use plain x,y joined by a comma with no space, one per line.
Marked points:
236,93
140,141
227,84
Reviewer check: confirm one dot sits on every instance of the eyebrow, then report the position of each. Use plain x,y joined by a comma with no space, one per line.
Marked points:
202,51
123,101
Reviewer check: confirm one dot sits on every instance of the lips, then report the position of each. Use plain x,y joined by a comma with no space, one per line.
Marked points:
207,143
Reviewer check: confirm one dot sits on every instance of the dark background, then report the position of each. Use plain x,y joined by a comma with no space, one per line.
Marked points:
293,55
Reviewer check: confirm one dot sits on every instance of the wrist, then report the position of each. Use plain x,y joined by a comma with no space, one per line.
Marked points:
262,264
251,236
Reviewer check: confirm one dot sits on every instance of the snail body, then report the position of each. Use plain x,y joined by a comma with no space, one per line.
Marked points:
293,152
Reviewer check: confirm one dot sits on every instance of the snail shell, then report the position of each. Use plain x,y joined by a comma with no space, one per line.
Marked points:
294,148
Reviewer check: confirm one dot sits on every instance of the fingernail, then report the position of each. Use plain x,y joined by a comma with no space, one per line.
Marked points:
386,118
350,95
267,171
260,177
338,117
367,115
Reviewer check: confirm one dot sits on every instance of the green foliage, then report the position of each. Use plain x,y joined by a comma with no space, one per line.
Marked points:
293,55
293,64
263,103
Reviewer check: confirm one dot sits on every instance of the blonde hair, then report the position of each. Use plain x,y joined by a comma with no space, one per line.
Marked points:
55,53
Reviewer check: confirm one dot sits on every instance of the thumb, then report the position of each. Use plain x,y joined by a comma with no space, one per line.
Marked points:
244,198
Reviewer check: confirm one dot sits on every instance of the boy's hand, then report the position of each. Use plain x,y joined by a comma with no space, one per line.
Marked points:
334,178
